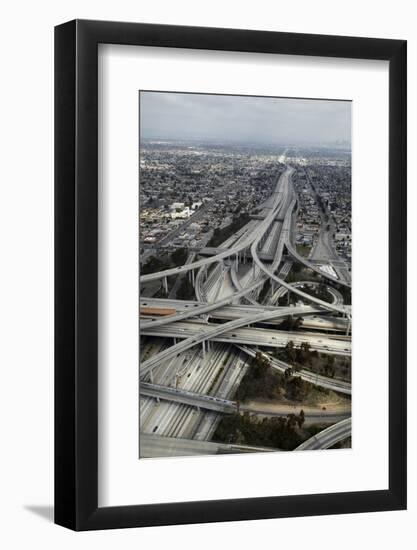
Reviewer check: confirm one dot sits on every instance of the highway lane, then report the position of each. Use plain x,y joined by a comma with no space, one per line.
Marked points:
328,437
257,336
231,312
337,297
233,366
206,308
152,446
269,240
284,239
186,397
218,373
227,406
193,313
288,286
208,422
183,409
233,296
323,244
148,365
212,332
294,254
222,288
324,250
235,249
174,289
334,384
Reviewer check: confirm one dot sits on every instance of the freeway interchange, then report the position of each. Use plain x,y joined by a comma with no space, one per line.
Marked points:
195,354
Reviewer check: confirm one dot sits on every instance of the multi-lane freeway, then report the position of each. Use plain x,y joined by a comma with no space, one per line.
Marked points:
152,445
310,319
340,386
227,406
255,336
216,335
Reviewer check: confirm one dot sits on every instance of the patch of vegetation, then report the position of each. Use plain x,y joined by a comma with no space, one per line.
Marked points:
290,323
263,382
302,274
346,293
303,250
277,432
220,235
298,357
321,363
154,264
179,256
319,291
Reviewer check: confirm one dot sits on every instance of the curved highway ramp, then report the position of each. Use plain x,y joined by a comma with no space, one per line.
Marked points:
328,437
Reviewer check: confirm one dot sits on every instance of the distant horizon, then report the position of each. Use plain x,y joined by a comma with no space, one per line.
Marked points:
245,120
343,145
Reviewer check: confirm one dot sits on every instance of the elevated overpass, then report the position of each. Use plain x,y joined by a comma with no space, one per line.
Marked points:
277,197
212,332
226,406
255,336
230,312
211,251
328,437
153,445
326,382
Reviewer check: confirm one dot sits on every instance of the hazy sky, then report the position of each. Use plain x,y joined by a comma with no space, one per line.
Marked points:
244,119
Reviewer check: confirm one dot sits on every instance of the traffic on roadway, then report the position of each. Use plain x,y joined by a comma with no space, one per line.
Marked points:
195,353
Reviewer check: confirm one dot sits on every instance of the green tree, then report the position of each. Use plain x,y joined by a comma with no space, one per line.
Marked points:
179,256
153,265
290,351
301,418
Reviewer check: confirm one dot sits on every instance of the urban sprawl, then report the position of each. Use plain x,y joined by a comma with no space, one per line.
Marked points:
245,298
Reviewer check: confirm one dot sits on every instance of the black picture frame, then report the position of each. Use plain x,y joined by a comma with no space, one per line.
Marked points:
76,272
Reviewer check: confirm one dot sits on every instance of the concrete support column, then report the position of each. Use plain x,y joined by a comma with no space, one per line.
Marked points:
204,347
165,282
349,327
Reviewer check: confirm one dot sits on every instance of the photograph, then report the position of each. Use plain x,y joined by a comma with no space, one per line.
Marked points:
245,274
195,203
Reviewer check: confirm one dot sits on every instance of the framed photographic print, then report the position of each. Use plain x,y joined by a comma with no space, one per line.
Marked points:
230,275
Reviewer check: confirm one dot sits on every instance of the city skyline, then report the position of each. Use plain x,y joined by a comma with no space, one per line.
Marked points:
244,119
245,277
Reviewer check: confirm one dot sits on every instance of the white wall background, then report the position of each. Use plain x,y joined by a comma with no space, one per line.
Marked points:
26,273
